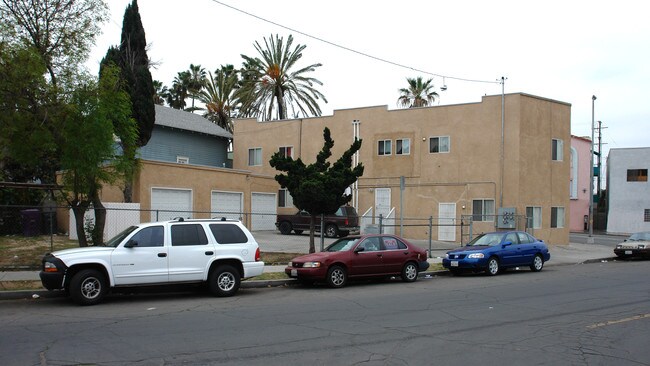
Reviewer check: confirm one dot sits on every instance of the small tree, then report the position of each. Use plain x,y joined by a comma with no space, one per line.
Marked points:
319,188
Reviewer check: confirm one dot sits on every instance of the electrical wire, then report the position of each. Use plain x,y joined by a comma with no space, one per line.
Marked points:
353,50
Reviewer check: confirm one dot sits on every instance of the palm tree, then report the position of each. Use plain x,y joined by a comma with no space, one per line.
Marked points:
270,85
418,94
217,95
159,92
197,77
178,93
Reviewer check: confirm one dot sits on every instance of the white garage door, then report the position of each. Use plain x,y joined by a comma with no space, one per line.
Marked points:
227,204
263,211
168,203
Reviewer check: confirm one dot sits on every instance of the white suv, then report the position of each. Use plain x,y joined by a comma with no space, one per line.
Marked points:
219,252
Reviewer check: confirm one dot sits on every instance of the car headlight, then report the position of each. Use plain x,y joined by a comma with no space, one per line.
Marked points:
49,267
311,265
641,246
619,246
446,255
290,264
476,255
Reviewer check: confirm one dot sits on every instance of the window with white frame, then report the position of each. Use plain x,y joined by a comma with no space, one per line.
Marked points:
403,147
255,156
482,210
557,217
558,148
384,147
182,160
284,198
439,144
286,151
534,216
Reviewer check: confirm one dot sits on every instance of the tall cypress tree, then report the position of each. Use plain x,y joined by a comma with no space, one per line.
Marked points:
134,63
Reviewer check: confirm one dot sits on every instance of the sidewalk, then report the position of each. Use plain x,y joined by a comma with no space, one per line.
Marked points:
574,253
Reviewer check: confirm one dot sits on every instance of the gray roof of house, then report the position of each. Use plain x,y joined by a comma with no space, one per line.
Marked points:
176,118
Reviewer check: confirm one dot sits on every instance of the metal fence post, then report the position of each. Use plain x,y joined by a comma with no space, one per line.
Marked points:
322,232
381,227
430,234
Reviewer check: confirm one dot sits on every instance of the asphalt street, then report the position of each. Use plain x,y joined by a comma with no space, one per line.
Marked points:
585,314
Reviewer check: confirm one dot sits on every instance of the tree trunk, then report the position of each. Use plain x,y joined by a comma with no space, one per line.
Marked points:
79,210
100,220
128,190
312,248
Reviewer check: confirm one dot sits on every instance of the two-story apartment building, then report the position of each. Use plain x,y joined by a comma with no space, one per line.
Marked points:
442,162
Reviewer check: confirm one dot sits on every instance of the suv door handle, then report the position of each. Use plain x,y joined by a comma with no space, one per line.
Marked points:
162,255
209,253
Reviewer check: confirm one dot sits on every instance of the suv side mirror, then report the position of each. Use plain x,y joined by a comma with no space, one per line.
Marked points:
131,243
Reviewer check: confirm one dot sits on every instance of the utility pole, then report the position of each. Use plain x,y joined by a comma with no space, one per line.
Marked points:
600,156
590,239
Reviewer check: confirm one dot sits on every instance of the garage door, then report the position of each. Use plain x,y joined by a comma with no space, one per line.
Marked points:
263,211
228,205
168,203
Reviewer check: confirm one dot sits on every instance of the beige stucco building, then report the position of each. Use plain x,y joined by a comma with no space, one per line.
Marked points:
455,160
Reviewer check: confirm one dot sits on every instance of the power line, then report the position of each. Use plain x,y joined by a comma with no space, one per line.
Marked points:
353,50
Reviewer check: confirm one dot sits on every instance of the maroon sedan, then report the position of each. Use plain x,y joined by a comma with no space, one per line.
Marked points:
359,257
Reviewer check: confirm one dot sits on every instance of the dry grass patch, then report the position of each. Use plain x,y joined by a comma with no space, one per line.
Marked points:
26,252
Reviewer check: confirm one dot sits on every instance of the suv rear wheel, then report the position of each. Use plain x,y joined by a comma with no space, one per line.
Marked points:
331,231
224,281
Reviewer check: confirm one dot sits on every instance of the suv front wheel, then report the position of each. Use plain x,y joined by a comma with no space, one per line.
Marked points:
331,231
224,281
88,287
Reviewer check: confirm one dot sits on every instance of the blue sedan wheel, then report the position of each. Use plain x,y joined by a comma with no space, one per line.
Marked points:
493,266
538,263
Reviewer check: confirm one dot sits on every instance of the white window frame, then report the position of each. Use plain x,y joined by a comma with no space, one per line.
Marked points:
382,143
182,159
557,150
440,145
486,214
256,156
404,151
573,187
283,151
288,199
536,218
557,217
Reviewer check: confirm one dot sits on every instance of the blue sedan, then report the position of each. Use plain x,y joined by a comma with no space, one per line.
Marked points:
493,252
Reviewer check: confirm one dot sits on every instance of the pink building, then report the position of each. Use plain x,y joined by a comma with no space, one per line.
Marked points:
579,183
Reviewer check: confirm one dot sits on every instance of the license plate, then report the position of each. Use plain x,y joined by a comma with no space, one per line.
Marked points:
294,273
454,263
629,252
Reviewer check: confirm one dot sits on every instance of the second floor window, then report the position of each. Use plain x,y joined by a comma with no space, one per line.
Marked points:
403,147
384,147
534,216
255,156
286,151
439,144
637,175
558,147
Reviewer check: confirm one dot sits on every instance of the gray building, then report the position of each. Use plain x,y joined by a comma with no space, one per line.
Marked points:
628,190
187,138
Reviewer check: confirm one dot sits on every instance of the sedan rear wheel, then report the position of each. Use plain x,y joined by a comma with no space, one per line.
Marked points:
492,267
336,277
538,263
410,272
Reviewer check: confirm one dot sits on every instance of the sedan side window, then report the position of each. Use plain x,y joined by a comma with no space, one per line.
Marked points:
512,237
370,244
524,238
152,236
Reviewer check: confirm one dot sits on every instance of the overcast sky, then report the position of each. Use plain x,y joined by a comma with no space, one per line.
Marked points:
562,50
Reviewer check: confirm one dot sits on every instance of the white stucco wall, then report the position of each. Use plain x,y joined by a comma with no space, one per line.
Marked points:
627,200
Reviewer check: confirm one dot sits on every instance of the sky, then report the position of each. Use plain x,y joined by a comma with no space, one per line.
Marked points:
563,50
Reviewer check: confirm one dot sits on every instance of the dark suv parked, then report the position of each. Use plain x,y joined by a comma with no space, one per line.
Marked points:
344,222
